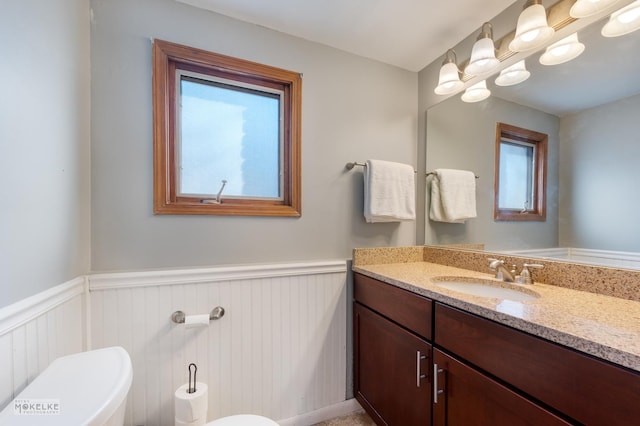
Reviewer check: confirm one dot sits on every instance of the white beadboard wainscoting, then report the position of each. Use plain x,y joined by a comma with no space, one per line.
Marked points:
37,330
279,350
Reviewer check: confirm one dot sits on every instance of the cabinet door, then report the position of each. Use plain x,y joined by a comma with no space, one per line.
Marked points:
392,371
466,397
591,391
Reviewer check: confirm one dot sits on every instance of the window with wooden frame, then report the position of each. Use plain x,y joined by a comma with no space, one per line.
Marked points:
226,135
520,185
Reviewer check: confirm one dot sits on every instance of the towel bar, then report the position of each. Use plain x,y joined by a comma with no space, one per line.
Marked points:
433,173
350,166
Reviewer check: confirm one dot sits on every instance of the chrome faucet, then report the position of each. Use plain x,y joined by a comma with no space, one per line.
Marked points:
502,273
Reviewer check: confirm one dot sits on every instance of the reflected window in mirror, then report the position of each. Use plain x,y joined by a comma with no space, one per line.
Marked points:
520,174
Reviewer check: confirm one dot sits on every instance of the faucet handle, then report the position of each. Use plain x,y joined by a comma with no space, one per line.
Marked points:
533,265
525,275
494,262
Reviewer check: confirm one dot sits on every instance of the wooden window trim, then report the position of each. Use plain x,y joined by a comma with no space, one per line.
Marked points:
167,57
538,212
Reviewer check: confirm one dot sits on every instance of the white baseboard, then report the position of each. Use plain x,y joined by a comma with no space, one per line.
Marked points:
340,409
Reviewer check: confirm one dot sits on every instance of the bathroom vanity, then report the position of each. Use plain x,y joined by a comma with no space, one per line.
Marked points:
424,354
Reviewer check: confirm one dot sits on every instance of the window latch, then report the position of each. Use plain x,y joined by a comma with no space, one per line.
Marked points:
218,199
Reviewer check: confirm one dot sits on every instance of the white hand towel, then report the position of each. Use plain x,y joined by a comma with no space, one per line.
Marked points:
389,192
453,196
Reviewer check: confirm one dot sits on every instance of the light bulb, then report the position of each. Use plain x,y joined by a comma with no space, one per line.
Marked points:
449,78
514,74
530,35
532,30
483,54
629,16
623,21
562,51
476,92
585,8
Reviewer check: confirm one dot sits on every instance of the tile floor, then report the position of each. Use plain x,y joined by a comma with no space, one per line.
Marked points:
356,419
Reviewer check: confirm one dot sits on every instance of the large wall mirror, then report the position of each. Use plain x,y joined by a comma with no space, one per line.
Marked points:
590,108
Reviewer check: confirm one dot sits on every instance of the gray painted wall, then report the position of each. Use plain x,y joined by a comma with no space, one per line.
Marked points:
599,177
44,132
353,109
462,136
427,81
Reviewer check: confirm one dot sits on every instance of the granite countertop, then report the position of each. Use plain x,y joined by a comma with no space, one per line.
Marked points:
603,326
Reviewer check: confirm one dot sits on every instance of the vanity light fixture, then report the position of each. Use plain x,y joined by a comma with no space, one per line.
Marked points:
483,54
562,51
476,92
585,8
449,80
623,21
532,30
512,75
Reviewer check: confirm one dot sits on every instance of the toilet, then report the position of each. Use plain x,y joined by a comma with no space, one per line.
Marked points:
243,420
90,388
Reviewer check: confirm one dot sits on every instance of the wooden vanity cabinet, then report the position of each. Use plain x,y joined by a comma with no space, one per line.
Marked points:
392,363
583,388
393,368
479,371
467,397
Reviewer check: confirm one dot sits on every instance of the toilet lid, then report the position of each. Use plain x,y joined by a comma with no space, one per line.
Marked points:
88,388
243,420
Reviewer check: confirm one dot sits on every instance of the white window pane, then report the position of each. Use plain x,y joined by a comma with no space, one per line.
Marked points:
229,133
516,176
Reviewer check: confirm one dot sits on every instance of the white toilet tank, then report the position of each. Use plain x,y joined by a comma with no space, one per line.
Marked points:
90,389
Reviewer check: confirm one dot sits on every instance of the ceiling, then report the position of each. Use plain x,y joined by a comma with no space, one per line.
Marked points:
409,34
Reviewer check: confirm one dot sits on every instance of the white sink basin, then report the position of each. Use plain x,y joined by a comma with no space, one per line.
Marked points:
486,288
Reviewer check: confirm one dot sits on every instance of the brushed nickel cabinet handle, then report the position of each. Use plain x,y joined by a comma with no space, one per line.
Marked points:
419,375
436,391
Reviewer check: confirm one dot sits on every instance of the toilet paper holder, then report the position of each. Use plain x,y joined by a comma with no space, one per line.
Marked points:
215,314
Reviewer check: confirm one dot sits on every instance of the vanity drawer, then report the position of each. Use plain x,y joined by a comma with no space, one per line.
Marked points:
408,309
589,390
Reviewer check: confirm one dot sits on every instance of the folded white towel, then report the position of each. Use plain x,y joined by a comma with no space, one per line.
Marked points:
453,196
389,192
